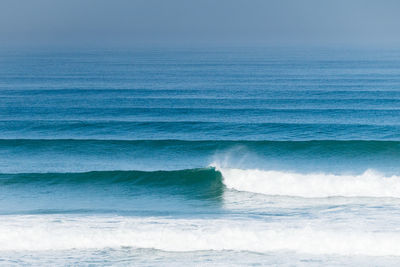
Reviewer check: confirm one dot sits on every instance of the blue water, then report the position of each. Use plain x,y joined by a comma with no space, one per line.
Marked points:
200,156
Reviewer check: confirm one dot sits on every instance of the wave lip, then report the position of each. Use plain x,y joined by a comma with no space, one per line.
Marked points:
269,182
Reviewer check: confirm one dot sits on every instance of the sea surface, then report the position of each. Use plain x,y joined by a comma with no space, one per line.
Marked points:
200,157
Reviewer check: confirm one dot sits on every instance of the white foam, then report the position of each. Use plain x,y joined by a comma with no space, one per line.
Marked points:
368,184
49,232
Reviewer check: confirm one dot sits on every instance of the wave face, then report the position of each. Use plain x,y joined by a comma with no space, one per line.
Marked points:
227,157
188,178
194,183
132,192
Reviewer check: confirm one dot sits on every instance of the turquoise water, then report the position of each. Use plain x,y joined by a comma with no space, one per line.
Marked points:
200,156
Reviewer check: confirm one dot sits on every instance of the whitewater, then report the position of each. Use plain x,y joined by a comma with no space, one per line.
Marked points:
367,184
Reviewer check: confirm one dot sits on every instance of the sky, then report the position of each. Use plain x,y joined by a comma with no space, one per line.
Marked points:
201,22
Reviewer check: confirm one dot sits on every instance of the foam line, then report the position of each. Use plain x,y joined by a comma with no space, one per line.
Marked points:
37,233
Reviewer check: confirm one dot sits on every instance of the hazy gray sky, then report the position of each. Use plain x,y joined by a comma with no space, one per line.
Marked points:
219,22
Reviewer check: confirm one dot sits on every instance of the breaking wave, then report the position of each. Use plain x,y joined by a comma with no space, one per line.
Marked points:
213,180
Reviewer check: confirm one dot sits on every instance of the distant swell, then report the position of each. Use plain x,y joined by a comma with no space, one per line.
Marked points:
309,148
197,130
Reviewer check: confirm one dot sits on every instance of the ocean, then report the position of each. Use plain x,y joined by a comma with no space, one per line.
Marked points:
200,156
